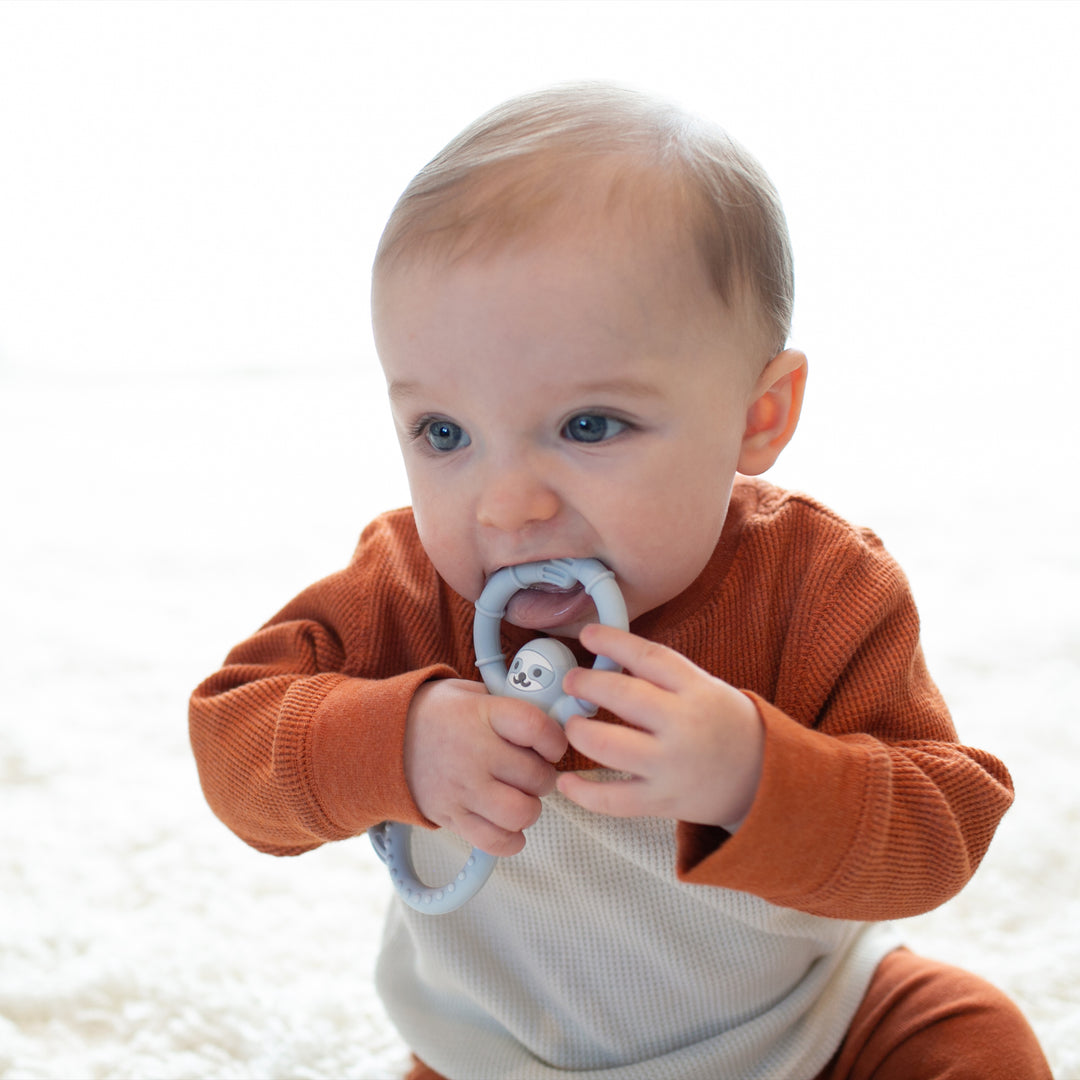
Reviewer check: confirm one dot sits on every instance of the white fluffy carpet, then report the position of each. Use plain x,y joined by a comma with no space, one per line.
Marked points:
155,524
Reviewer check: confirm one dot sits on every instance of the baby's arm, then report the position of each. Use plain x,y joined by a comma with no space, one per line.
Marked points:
291,751
291,756
695,747
866,805
330,718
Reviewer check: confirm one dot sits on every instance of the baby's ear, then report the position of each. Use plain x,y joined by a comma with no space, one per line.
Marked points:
774,411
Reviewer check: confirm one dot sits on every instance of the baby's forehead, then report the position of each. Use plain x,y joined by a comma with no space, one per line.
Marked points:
607,303
632,209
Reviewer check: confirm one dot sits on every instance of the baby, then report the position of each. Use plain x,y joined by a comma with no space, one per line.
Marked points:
581,307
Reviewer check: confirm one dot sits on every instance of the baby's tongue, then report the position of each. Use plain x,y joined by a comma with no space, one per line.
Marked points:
543,607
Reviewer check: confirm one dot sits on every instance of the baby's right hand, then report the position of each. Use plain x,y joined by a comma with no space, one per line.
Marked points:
477,764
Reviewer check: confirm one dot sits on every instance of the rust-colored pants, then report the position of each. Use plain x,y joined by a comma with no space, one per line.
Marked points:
922,1020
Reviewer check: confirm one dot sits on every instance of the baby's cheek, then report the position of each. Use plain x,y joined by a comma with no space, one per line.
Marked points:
454,559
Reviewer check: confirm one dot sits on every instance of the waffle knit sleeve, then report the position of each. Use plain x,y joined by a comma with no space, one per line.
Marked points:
299,737
869,808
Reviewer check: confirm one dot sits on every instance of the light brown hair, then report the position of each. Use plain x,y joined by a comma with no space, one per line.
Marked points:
526,160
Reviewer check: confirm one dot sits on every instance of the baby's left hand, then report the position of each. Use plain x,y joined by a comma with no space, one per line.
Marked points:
696,746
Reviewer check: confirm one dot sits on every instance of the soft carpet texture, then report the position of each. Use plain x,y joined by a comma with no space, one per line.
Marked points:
139,938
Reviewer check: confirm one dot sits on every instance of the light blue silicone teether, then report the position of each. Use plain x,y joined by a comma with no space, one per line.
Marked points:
535,675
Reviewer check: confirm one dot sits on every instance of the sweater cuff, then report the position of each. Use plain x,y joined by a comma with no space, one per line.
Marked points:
804,823
342,744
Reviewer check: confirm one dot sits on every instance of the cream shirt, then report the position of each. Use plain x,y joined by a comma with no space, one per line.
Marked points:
585,955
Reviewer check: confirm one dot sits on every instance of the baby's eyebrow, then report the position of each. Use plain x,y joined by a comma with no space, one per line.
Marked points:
624,386
399,389
402,389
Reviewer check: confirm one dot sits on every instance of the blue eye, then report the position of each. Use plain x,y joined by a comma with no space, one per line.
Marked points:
593,428
444,435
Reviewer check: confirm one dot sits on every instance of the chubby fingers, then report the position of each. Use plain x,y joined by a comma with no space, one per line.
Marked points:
494,813
520,770
616,798
613,746
641,694
525,725
497,824
648,660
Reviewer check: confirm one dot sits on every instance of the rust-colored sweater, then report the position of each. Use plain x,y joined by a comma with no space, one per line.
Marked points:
868,807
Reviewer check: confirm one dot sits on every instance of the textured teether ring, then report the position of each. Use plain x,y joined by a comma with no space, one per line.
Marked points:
391,838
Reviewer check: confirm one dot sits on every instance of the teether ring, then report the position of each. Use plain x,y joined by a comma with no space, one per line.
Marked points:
535,675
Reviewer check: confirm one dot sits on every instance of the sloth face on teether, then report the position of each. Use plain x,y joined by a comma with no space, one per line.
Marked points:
537,672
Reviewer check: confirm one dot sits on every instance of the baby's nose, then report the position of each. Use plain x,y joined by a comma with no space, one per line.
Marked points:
514,497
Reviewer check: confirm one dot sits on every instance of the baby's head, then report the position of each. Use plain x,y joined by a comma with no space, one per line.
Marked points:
581,307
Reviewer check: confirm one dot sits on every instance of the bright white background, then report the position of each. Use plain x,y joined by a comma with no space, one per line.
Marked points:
192,429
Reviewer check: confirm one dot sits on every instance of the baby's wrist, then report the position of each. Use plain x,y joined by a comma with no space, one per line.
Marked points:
745,753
